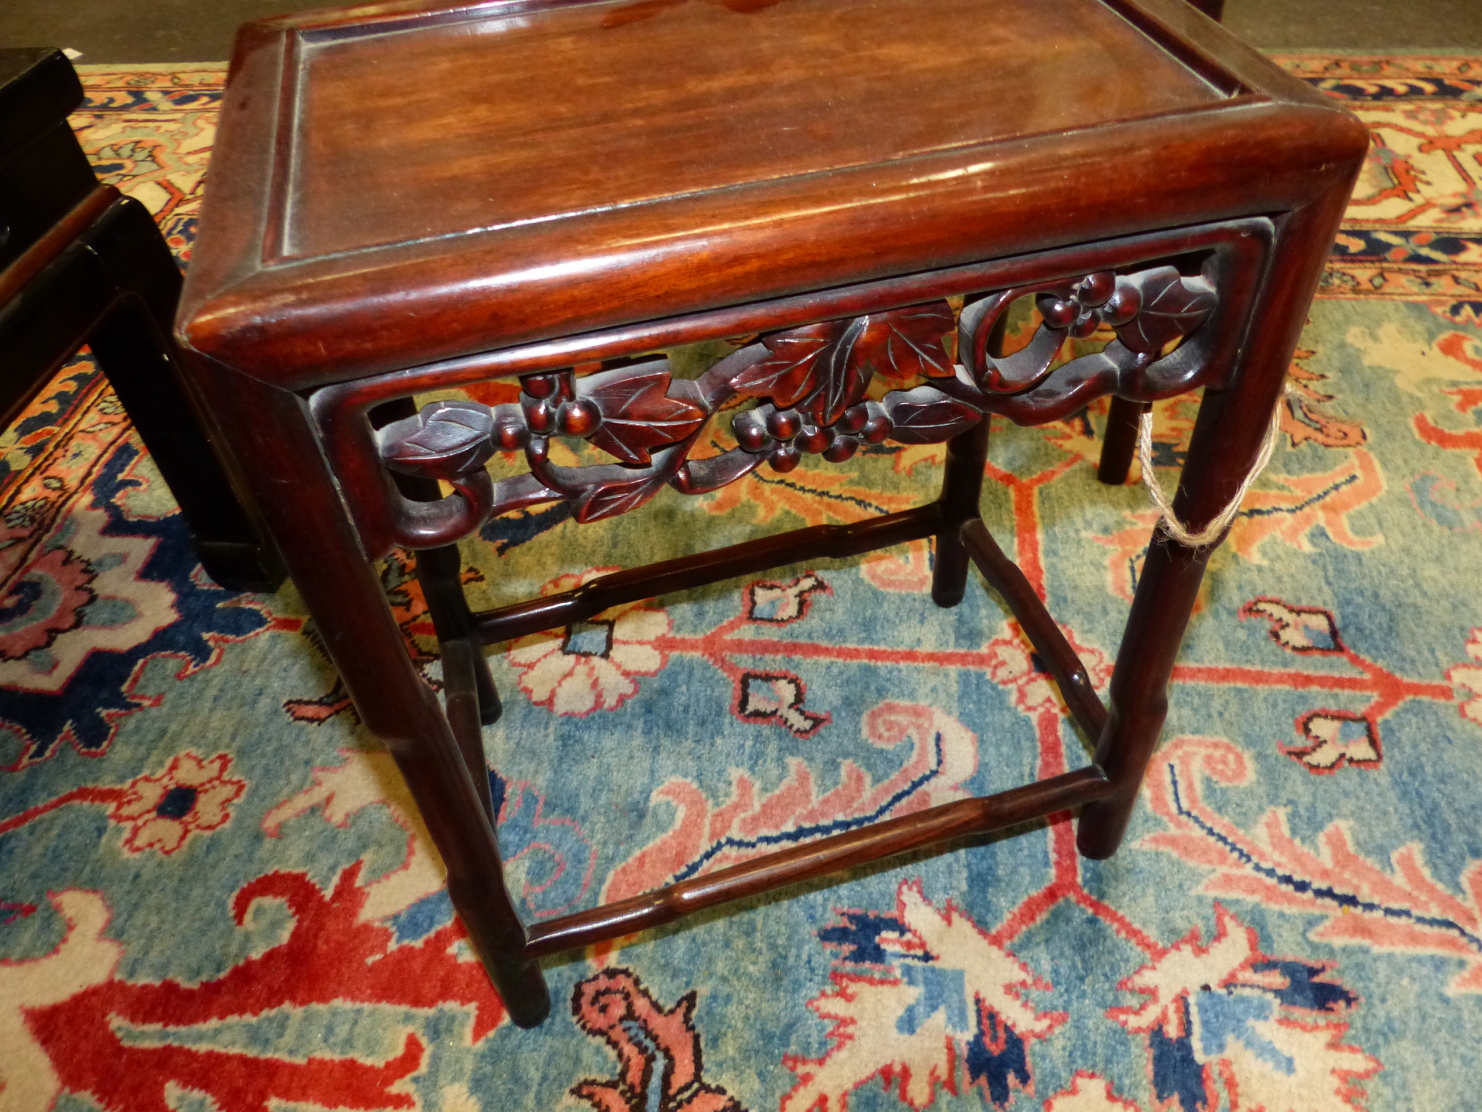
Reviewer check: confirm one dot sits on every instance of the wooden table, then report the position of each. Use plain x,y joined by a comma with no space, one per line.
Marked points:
407,197
82,264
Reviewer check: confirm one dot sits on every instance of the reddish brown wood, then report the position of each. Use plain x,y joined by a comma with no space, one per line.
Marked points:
974,170
1004,576
1228,436
815,859
1237,249
627,413
812,382
460,661
813,174
1120,441
438,570
815,543
962,491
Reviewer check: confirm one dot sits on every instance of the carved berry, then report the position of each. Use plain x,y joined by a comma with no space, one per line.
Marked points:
785,458
539,417
841,449
577,418
1122,306
784,424
750,433
1084,326
510,432
1093,290
876,429
854,418
541,386
814,439
1057,313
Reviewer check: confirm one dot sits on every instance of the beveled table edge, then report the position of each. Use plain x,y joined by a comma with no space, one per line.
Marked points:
243,314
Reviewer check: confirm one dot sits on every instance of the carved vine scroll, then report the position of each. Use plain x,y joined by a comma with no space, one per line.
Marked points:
812,386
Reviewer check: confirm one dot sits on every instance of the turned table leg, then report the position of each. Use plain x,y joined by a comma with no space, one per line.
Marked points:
470,697
1120,442
1139,688
962,489
1228,436
438,570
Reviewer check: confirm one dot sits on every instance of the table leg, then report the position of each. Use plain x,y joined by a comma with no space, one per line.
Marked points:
962,490
115,287
438,569
1138,700
1228,436
1120,442
274,431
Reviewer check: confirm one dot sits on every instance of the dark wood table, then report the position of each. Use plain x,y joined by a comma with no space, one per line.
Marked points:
409,197
82,264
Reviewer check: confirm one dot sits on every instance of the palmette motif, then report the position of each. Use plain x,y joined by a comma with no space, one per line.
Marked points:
812,387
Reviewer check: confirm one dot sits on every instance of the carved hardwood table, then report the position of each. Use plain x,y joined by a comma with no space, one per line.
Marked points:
407,198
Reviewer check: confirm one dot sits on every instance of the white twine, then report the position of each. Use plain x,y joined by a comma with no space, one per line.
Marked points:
1216,528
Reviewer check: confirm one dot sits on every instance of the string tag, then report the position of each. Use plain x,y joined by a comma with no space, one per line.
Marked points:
1216,528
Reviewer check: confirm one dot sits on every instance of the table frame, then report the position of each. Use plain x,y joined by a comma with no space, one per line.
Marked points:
316,441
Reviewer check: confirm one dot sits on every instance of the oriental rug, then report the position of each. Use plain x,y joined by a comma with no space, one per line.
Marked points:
215,894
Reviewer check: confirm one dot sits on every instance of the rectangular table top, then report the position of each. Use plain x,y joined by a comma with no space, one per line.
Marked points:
507,119
496,172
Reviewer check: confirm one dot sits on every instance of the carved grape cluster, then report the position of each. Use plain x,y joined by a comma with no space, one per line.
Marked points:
1095,298
783,435
549,406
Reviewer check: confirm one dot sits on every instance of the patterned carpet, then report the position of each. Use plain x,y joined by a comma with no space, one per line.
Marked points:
214,893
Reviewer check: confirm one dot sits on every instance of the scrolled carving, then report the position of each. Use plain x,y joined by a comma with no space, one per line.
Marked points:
1147,310
449,441
812,385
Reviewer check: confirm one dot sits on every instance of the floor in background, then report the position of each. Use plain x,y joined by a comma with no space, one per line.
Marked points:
107,31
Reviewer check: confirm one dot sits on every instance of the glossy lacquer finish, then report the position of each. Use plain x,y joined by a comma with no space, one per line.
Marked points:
950,152
592,107
408,198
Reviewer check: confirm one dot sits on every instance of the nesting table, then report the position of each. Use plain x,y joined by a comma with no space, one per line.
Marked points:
82,264
410,197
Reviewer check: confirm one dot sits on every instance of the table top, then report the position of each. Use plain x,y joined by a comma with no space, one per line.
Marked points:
400,183
515,118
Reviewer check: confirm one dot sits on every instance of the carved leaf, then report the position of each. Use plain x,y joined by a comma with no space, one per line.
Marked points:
445,440
1172,306
925,415
904,343
843,376
637,412
823,369
792,371
610,499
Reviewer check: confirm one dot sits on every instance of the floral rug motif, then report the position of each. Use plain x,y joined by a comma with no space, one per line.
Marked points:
215,893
